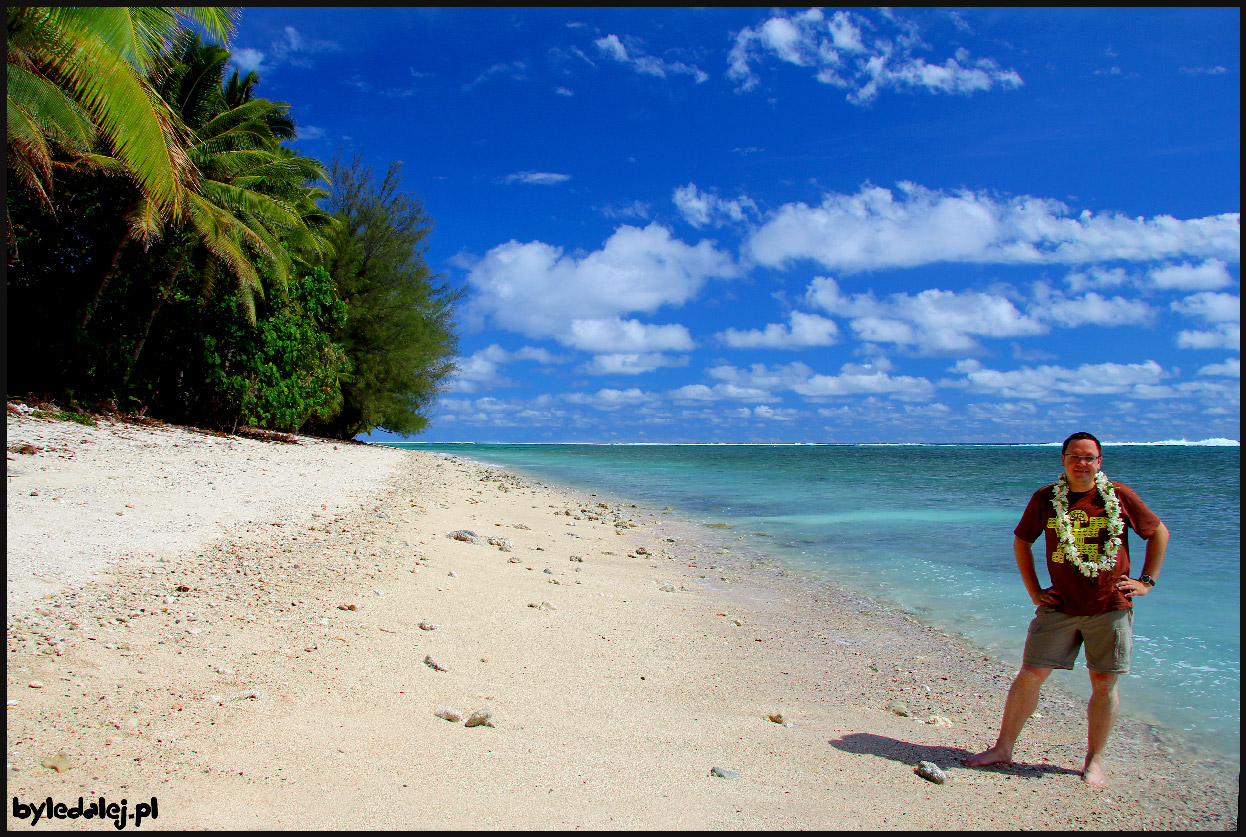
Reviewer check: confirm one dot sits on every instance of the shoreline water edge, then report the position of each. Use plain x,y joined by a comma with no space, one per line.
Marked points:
616,668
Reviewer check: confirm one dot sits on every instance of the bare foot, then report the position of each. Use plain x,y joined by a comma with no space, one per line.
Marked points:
995,755
1094,775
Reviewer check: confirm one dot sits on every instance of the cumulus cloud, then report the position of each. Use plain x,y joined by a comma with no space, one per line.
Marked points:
538,290
1223,336
1136,380
1231,368
1208,276
613,48
932,321
801,331
537,178
760,381
481,371
876,228
619,335
634,363
703,208
1213,307
611,399
844,51
1090,309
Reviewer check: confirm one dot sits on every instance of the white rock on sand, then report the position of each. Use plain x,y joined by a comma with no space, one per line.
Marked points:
230,567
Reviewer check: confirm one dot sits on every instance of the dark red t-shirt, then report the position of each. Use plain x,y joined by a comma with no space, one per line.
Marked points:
1082,595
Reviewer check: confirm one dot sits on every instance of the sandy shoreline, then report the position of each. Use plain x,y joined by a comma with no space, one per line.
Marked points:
615,681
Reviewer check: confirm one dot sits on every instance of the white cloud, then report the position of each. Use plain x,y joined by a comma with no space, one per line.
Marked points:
514,70
1097,277
611,47
844,52
933,321
1224,336
537,178
635,363
876,228
858,381
482,370
1090,309
801,331
1207,276
248,60
291,48
702,208
1138,380
853,379
636,210
721,392
537,290
615,334
1212,307
611,399
1231,368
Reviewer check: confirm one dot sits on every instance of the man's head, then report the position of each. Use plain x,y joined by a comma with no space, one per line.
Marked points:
1081,455
1078,436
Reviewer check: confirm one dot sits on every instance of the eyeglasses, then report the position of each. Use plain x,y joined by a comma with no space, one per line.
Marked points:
1082,460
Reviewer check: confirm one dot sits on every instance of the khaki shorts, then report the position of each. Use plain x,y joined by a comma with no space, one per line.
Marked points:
1055,638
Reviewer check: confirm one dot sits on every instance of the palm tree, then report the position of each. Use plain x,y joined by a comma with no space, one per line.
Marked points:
254,209
76,75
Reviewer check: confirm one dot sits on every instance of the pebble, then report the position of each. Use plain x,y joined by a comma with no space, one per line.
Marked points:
428,626
667,587
480,718
448,714
721,773
433,664
897,707
59,762
464,535
503,543
777,717
930,771
35,684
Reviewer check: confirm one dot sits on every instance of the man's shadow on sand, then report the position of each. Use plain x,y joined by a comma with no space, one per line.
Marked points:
865,743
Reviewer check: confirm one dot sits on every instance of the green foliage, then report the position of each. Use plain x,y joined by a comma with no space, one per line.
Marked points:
399,334
284,370
248,303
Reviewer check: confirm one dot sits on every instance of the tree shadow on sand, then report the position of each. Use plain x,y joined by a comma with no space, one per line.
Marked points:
865,743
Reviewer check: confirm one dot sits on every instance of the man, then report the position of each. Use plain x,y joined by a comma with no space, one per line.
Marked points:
1090,600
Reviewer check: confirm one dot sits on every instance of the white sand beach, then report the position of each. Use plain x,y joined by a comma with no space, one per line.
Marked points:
259,635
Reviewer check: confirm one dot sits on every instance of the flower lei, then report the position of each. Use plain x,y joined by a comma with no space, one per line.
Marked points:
1064,526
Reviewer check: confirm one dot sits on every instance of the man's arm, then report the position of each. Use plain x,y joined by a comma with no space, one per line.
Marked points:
1024,551
1156,546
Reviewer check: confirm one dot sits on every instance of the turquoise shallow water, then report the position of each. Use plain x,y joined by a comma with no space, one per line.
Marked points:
929,528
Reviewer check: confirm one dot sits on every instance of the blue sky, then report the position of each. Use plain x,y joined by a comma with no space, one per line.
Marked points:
804,225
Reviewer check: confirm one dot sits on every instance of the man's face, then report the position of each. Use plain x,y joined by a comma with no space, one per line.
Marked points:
1081,462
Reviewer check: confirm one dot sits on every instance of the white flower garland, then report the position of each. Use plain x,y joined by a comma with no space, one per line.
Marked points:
1064,526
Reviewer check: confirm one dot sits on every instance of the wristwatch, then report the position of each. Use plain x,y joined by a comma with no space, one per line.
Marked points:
1147,580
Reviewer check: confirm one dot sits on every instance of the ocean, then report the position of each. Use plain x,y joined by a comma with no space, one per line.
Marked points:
928,528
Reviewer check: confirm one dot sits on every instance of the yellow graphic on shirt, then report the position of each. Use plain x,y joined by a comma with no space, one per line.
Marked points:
1085,528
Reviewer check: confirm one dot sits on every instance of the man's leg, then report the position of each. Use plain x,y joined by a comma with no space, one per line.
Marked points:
1021,703
1101,714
